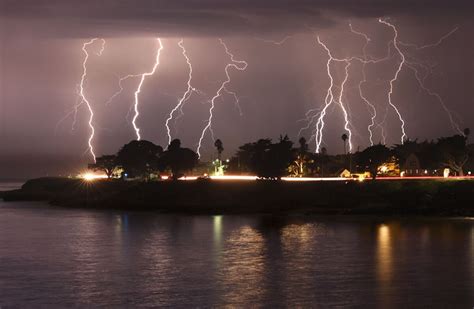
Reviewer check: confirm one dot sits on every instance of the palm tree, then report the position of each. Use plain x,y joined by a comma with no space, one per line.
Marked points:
303,145
467,131
344,138
219,147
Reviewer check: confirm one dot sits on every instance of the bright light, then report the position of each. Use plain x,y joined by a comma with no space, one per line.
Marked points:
92,177
446,172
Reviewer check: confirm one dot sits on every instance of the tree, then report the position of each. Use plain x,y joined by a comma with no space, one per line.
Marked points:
302,158
267,159
139,158
178,159
107,164
403,151
372,157
219,147
467,132
453,152
303,145
344,138
319,161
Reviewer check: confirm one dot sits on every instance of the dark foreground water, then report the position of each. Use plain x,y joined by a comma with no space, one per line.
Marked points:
59,257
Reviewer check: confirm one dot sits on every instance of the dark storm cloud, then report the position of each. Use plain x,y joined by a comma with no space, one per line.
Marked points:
209,17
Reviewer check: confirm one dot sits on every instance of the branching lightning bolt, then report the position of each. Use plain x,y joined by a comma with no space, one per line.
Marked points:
83,95
239,65
437,43
421,82
120,81
412,65
330,99
395,78
362,82
186,95
317,116
139,88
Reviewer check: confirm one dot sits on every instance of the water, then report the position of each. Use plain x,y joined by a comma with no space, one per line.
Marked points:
59,257
10,185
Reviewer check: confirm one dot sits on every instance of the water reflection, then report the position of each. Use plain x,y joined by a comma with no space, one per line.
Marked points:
384,253
300,246
53,257
241,280
384,262
472,251
157,270
217,227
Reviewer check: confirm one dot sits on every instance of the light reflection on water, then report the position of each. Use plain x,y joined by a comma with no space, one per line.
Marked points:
384,263
53,256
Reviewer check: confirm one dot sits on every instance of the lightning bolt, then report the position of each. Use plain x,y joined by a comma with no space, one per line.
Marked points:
83,95
280,42
435,44
120,81
239,65
395,77
412,65
186,95
318,115
363,81
139,88
329,99
421,82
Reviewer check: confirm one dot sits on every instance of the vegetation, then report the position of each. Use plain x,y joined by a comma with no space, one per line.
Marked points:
266,159
273,160
139,158
107,164
145,160
177,159
372,157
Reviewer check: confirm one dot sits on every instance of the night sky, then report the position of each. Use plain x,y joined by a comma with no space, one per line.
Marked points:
41,65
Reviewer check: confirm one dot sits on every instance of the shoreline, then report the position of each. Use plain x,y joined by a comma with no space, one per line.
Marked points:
452,198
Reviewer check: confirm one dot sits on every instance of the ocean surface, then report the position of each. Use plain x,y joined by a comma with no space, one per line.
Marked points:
56,257
10,185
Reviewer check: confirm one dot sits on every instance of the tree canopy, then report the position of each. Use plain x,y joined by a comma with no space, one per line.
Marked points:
267,159
178,159
372,157
139,158
107,164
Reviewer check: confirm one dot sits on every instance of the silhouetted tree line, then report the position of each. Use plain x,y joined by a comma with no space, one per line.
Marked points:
273,160
142,159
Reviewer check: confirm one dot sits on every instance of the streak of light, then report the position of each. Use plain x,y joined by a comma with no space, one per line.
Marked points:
186,95
83,95
435,44
139,88
395,78
239,65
